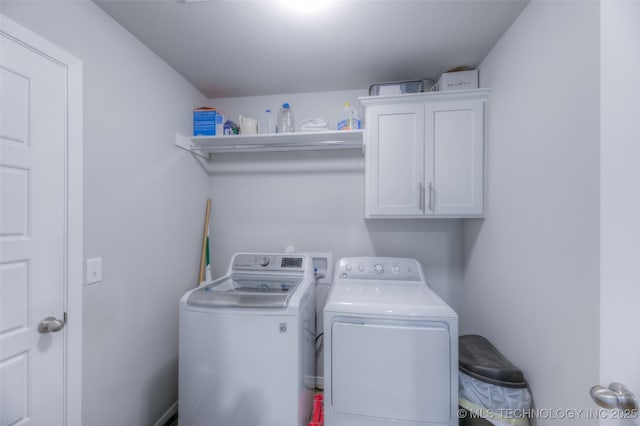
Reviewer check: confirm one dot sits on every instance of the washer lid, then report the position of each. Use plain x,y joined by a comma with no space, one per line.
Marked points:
246,291
387,298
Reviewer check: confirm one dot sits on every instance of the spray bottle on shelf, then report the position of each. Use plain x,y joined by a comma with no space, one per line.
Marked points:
351,120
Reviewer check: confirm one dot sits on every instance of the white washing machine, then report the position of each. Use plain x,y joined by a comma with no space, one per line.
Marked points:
247,344
391,347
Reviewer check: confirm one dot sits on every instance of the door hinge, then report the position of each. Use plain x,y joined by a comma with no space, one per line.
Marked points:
64,317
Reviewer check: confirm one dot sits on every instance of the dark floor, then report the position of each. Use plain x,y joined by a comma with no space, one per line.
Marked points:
173,421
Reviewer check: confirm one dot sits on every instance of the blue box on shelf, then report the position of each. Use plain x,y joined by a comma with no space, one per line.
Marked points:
204,121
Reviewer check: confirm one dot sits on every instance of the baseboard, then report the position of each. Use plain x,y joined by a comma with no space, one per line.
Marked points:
167,415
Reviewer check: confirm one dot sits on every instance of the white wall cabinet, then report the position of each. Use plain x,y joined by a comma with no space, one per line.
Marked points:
425,155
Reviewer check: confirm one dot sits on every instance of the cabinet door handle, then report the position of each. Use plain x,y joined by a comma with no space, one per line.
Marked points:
430,196
421,195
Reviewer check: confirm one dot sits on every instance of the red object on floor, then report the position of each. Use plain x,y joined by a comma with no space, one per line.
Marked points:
317,417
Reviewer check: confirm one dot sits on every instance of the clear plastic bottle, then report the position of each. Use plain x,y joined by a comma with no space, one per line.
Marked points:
266,123
351,119
286,120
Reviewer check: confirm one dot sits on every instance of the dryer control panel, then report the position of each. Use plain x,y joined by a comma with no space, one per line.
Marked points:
380,268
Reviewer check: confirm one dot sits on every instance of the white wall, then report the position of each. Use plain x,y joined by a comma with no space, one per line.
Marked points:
315,202
620,203
306,106
531,267
143,209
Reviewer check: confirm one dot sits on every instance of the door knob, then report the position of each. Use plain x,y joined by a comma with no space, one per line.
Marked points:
50,324
616,395
626,399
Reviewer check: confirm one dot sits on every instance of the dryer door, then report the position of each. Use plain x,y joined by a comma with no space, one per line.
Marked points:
392,370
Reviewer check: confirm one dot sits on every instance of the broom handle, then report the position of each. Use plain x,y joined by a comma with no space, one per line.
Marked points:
204,242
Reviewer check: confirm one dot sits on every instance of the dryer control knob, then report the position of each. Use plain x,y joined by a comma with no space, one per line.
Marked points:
360,267
348,267
264,261
378,268
396,269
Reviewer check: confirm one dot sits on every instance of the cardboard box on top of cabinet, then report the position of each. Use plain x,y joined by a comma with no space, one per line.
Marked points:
204,121
459,80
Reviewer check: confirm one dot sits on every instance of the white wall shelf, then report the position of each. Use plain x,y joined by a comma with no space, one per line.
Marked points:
205,145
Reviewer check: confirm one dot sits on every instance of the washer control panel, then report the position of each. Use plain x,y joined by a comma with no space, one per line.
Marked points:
379,268
268,262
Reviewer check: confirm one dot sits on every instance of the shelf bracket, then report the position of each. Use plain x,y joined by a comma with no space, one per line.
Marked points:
184,142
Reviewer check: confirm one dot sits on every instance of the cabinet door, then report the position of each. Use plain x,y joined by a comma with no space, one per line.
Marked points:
395,160
455,129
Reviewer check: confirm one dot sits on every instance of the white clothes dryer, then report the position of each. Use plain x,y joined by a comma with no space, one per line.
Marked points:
391,347
246,350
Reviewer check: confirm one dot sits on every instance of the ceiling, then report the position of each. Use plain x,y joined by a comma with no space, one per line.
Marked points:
229,48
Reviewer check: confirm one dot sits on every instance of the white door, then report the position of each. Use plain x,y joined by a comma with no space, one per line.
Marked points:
34,249
620,202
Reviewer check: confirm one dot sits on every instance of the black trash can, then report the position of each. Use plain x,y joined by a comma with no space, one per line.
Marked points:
493,391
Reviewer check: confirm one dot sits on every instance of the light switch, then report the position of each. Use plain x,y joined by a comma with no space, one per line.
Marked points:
94,270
